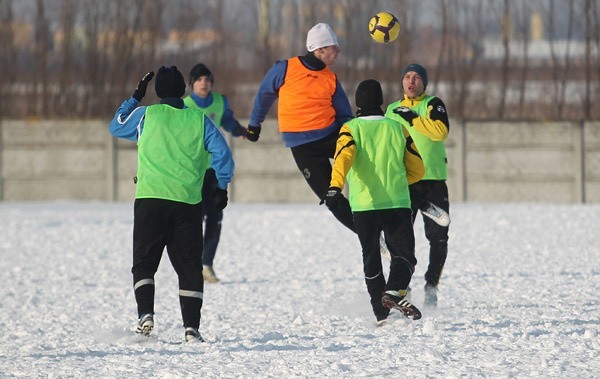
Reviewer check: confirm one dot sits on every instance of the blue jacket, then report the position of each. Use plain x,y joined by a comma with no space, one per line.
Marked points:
228,122
269,92
128,123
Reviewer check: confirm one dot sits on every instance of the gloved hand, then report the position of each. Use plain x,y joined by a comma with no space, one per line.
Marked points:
140,91
332,197
240,131
406,113
220,197
253,132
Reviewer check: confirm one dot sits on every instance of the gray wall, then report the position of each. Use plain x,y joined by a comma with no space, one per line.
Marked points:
487,162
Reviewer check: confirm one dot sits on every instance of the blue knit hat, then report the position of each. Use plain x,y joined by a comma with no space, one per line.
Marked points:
419,70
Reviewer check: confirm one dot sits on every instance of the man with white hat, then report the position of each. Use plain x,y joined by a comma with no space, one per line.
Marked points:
311,110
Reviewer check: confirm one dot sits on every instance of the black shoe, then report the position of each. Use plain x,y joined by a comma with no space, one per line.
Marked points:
192,334
382,315
430,295
394,299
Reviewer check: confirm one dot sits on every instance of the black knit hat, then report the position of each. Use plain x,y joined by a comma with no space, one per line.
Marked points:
419,70
200,70
369,95
169,82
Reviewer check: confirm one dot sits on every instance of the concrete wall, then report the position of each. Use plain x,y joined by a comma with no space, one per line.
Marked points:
487,162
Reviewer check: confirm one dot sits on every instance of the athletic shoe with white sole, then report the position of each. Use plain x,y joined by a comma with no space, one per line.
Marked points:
396,300
431,298
209,274
145,324
192,334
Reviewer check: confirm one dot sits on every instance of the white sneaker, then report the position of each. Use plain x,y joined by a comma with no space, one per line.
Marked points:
437,214
192,334
145,324
431,298
209,274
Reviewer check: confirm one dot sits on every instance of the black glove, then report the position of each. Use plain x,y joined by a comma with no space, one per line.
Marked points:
252,133
406,113
240,131
332,198
220,197
140,91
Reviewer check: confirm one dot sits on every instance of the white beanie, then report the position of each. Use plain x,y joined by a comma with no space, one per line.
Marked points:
320,35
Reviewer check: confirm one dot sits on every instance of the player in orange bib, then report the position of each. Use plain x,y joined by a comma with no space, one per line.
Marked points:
312,108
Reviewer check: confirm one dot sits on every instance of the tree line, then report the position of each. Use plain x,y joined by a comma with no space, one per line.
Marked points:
488,59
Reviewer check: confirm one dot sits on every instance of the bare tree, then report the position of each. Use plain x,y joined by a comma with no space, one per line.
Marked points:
468,66
74,58
40,74
567,62
505,65
8,53
524,12
64,99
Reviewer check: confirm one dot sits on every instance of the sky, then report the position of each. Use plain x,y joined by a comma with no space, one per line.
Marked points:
518,298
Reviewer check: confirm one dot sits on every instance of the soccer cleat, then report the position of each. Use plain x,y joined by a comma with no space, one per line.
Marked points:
209,274
394,299
192,334
430,295
145,324
408,294
437,214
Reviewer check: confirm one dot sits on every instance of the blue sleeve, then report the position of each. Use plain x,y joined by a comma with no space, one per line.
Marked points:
268,92
228,122
221,159
128,122
343,110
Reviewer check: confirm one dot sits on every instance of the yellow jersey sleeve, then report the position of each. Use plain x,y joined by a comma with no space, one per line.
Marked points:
345,151
412,160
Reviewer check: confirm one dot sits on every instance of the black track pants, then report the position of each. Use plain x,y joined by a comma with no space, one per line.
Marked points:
313,162
396,225
178,227
436,192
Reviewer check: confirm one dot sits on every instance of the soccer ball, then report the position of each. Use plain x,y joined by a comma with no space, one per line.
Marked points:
384,27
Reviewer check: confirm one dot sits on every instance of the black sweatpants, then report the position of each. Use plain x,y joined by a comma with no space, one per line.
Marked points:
212,218
162,223
435,192
313,162
397,228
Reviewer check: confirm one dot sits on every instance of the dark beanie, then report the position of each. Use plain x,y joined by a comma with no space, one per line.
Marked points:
419,70
169,82
200,70
369,95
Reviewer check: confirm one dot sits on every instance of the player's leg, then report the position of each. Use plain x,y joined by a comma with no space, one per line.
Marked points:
185,252
313,162
368,231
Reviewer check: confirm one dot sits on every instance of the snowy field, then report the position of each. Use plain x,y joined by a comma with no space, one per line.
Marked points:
520,298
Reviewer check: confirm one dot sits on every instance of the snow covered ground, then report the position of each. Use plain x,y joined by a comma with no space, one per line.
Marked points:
519,298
